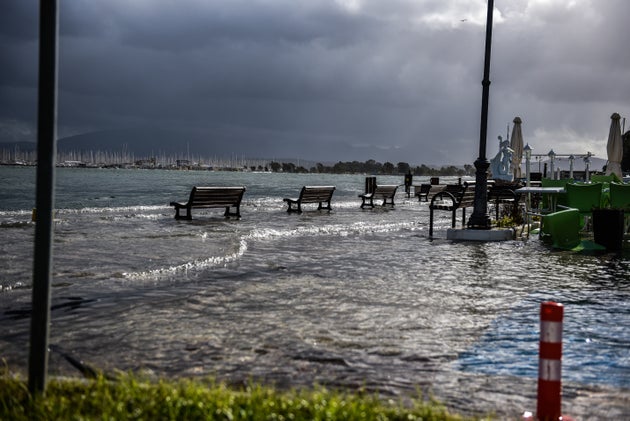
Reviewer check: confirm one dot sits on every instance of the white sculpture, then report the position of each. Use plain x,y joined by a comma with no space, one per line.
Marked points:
500,165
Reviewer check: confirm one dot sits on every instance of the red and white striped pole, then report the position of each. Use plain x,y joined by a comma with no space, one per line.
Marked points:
549,365
550,362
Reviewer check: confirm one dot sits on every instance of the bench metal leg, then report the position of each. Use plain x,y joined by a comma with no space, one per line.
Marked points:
291,209
237,212
327,207
179,216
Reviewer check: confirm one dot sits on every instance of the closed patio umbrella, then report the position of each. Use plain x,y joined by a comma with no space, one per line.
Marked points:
516,144
614,147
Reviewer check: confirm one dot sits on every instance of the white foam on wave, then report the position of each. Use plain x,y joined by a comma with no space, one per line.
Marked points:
194,265
113,213
12,223
268,234
15,213
330,230
6,286
101,210
147,217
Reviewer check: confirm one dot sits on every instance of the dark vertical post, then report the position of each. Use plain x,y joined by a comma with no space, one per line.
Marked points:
370,185
46,151
408,183
479,218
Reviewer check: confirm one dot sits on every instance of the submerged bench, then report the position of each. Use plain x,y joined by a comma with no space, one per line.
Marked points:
385,192
212,197
451,198
422,191
312,194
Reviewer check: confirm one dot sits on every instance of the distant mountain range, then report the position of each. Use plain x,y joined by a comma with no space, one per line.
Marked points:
156,142
149,142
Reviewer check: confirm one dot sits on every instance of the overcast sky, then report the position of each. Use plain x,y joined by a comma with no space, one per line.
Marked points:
388,73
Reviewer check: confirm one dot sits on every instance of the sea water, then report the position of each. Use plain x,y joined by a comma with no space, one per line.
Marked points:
350,298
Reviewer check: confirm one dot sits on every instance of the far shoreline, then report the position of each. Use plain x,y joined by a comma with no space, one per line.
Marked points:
369,167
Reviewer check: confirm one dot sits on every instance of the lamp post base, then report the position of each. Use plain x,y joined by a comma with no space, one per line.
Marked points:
480,218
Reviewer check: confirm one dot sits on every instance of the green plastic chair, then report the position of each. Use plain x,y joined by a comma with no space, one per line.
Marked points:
605,180
584,197
562,231
599,178
561,199
620,196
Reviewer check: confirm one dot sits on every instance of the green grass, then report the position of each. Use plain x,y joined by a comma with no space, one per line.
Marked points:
132,398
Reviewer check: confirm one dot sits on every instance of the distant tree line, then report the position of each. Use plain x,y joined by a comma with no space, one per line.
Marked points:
372,167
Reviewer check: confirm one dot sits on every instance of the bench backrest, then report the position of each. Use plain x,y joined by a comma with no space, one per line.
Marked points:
316,194
498,192
385,190
467,197
216,196
464,193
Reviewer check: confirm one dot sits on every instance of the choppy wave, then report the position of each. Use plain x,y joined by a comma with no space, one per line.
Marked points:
108,210
270,234
15,223
16,213
191,266
330,230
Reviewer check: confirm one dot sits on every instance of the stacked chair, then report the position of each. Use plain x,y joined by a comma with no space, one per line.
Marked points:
620,199
584,197
606,179
562,229
620,196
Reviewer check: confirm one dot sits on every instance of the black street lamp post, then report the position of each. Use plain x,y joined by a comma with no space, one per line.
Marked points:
480,218
46,151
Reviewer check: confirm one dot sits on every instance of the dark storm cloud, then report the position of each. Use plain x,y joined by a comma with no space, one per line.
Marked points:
388,74
565,65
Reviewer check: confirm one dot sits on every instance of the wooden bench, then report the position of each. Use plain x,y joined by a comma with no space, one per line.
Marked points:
212,197
451,198
385,192
312,194
422,191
